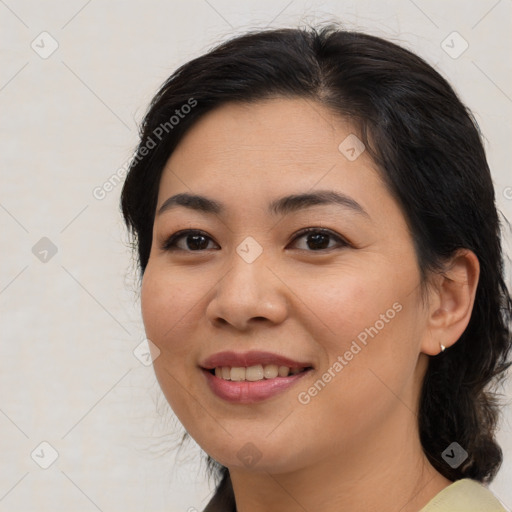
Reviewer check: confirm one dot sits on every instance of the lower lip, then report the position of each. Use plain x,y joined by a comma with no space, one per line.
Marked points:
247,392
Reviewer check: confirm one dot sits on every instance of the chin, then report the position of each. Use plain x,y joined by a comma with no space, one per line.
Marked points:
253,453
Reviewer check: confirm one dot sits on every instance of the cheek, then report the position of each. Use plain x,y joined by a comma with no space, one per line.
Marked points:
369,368
344,304
370,320
155,295
169,304
170,308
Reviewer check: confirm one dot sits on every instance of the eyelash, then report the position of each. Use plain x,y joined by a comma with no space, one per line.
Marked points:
170,243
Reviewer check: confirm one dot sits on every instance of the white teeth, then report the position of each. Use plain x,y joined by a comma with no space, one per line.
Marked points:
237,373
283,371
254,373
270,371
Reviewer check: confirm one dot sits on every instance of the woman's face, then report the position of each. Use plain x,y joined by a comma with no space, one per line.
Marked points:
342,299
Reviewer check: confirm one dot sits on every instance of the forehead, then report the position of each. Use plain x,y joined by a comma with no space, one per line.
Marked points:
277,128
274,146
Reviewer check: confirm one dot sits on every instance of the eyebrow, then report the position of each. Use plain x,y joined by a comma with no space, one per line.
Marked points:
281,206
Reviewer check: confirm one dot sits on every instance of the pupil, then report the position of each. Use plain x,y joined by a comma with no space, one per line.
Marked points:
318,241
195,242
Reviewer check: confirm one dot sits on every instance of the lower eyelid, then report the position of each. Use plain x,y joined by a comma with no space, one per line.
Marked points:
338,245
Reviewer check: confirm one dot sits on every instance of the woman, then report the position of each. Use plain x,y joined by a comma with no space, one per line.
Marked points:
322,275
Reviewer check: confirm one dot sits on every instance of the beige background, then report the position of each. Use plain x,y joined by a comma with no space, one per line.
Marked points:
69,325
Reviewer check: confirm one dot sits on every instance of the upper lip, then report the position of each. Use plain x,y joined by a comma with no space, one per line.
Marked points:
252,358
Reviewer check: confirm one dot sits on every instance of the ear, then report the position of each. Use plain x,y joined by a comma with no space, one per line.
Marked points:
450,301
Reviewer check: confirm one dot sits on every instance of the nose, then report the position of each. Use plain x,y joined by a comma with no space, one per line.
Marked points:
249,294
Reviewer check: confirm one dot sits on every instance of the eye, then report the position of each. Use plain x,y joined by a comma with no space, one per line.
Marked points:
318,239
191,240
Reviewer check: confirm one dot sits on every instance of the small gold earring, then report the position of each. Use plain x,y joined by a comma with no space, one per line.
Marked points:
442,347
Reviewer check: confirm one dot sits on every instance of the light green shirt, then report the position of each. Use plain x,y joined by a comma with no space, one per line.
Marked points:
464,495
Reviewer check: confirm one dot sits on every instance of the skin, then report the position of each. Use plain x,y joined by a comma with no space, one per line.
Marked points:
355,445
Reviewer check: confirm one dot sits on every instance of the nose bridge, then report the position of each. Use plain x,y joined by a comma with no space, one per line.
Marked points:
248,267
248,290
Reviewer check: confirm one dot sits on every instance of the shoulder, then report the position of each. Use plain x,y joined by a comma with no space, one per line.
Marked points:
464,495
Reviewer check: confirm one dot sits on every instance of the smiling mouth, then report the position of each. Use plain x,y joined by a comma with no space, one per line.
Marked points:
256,372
